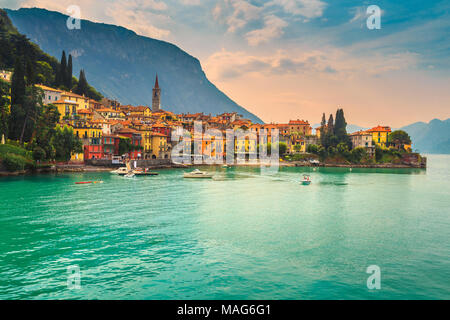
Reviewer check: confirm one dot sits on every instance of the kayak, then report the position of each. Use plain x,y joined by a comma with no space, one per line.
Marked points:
88,182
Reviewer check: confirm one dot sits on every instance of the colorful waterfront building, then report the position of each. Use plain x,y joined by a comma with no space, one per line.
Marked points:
160,148
380,135
110,145
363,139
135,139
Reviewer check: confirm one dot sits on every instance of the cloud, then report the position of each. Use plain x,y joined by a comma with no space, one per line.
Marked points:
273,28
236,14
332,62
142,16
191,2
306,8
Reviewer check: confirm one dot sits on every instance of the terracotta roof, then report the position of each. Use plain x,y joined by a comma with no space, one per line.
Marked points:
380,129
84,111
107,110
360,132
298,122
158,134
71,94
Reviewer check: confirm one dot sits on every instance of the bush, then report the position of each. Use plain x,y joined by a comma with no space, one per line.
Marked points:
12,149
13,162
39,153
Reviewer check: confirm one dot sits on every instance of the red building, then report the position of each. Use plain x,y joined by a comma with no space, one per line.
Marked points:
110,145
135,139
93,151
163,129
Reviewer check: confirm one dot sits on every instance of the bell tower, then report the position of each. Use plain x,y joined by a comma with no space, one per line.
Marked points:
156,98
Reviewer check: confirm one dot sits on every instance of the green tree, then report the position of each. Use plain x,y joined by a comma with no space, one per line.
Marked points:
313,148
340,128
282,148
18,83
66,143
82,87
323,123
399,138
61,76
357,154
125,146
68,79
330,125
4,108
45,130
39,154
44,73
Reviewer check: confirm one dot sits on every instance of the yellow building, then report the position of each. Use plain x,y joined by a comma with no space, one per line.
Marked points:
146,142
87,130
81,101
108,113
159,146
246,144
67,109
380,135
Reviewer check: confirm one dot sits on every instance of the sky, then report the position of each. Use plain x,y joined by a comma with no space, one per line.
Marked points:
295,59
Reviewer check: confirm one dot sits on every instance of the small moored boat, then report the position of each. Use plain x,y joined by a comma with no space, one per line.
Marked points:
306,181
88,182
197,174
120,171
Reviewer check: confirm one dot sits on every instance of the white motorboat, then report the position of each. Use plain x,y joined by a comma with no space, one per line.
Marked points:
197,174
121,170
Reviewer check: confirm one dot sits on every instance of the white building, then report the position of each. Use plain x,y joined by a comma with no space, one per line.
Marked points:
50,95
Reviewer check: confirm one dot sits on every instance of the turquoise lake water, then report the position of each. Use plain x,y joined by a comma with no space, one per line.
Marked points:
241,236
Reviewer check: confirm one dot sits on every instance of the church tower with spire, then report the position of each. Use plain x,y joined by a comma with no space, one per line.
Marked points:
156,98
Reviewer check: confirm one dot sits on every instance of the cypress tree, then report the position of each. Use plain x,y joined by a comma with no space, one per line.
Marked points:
63,69
18,83
18,98
330,124
83,86
68,81
324,121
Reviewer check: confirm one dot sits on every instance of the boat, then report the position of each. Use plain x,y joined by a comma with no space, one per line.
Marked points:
83,182
225,166
121,170
197,174
88,182
129,175
144,172
306,181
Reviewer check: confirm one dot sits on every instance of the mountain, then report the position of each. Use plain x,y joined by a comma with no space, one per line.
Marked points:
123,65
432,137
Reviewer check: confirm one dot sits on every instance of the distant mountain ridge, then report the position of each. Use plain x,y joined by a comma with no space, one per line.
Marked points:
123,65
432,137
